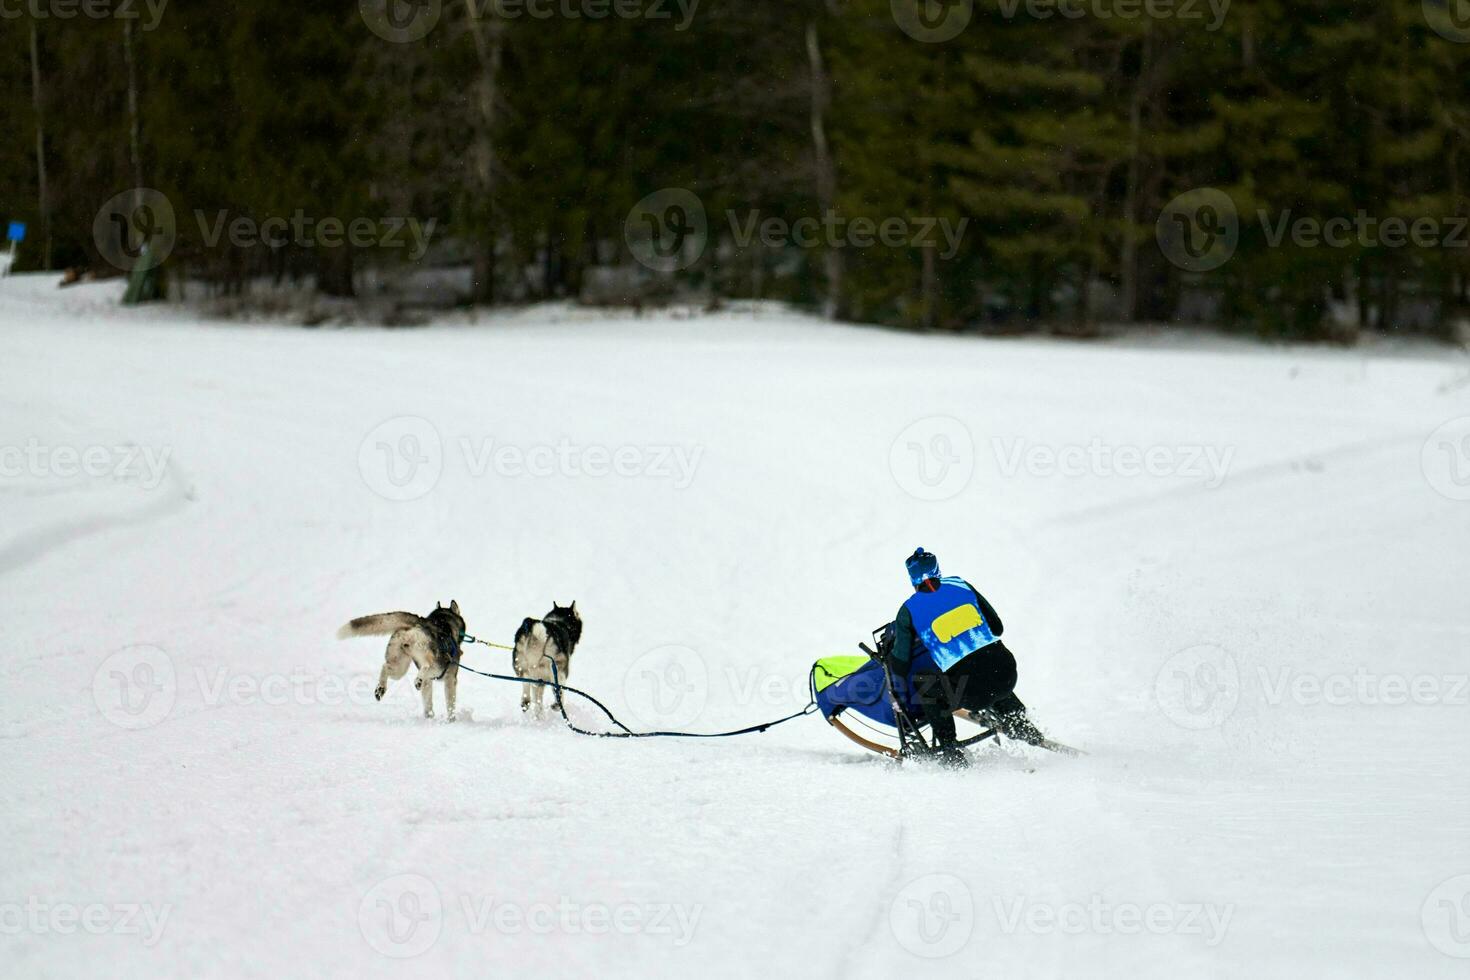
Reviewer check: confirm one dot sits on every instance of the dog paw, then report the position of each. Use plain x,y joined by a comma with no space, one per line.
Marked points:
378,694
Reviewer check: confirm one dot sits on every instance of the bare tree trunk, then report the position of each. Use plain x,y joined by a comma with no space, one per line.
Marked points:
821,90
488,32
1128,259
135,123
929,288
45,197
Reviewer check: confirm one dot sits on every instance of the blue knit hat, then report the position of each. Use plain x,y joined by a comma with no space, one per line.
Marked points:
922,565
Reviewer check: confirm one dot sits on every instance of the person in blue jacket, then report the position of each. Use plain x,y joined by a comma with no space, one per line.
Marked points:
946,640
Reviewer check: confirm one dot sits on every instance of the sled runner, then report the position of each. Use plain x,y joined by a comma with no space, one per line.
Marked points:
862,698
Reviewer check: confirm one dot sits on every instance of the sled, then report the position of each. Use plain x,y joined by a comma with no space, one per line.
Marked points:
877,710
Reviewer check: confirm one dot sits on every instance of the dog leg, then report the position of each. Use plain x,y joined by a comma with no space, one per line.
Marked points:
451,691
426,688
395,665
561,678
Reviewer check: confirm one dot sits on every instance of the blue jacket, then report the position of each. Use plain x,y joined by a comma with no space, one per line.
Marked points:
944,626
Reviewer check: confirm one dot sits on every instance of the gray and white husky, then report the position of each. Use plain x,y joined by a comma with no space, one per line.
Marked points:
431,643
539,644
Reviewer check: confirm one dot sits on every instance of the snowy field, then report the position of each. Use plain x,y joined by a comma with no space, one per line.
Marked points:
1237,576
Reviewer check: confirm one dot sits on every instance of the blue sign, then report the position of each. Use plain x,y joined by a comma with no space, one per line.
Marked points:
17,232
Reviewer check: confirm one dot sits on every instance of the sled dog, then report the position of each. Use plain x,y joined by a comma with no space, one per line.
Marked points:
431,643
539,643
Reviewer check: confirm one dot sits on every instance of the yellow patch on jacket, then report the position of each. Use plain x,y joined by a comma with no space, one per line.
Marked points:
957,621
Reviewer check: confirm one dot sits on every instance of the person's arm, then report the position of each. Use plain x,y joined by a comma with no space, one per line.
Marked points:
903,638
992,618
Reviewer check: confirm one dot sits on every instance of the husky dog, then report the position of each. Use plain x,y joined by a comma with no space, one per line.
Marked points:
431,643
539,644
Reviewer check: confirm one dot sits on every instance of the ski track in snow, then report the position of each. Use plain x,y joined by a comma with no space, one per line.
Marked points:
270,809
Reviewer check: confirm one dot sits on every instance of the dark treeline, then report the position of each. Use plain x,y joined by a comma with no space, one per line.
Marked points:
528,140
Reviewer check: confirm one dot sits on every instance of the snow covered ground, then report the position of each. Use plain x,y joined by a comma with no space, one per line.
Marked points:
1236,576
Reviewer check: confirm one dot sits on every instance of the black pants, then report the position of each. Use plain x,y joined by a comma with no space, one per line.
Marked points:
985,680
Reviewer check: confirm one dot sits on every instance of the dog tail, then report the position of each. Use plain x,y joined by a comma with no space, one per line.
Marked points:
381,624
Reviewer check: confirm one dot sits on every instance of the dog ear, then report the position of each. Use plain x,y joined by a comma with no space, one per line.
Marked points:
454,606
574,606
